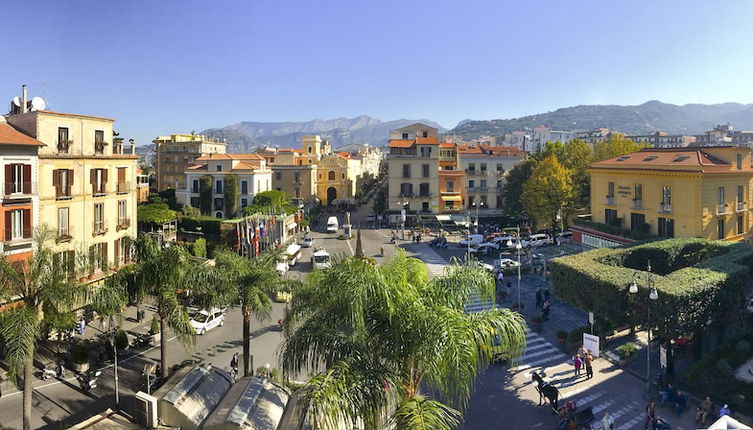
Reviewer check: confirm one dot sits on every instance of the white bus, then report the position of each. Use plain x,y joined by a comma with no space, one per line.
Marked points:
320,259
293,252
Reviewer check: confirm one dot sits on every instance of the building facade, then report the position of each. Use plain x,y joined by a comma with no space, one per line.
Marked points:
249,170
175,153
87,192
677,192
661,139
19,202
485,168
413,169
298,182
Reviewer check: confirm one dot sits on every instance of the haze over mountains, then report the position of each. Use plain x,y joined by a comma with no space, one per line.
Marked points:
641,119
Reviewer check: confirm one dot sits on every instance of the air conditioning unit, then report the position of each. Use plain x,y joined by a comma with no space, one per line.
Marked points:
145,410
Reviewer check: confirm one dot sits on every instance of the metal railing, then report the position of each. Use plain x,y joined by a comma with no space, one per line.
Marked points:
120,149
65,234
665,208
99,227
609,200
123,223
722,209
742,206
8,234
637,204
19,189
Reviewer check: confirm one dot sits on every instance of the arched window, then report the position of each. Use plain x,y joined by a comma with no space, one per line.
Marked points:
218,214
309,149
342,176
331,175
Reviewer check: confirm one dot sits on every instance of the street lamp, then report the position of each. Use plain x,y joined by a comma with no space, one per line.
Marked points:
518,247
403,214
653,296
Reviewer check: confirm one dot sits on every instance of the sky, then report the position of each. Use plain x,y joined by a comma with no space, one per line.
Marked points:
161,67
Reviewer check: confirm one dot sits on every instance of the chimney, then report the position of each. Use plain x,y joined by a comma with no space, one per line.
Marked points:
24,99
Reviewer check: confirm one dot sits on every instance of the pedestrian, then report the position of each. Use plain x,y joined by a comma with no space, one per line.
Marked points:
500,276
581,352
81,326
589,362
607,423
545,309
681,403
724,411
538,297
381,250
650,415
577,362
668,394
703,412
234,364
546,294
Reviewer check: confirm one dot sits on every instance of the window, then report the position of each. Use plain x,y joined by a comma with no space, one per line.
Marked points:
195,186
244,187
609,215
122,211
484,203
471,167
500,168
98,180
309,152
63,229
500,202
666,227
425,151
424,170
423,189
218,168
331,175
16,224
297,192
638,192
720,229
405,136
666,195
610,190
406,170
297,177
471,202
99,217
219,204
98,256
424,206
342,176
63,140
64,261
121,252
720,196
218,186
739,161
740,223
483,168
482,183
406,189
471,183
278,176
450,186
740,193
425,134
99,141
244,203
195,202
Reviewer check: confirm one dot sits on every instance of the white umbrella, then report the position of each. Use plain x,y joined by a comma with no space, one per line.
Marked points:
728,423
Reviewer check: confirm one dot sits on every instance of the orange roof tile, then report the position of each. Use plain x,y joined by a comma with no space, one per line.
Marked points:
684,158
446,163
398,143
247,165
427,141
75,114
197,167
11,136
446,145
251,156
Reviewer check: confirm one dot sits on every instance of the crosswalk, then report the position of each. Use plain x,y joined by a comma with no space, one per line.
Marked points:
435,264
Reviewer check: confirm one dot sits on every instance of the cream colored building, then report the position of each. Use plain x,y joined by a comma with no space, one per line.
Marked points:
86,187
485,168
175,153
413,169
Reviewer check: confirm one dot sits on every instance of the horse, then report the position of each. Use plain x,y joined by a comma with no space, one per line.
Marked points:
546,391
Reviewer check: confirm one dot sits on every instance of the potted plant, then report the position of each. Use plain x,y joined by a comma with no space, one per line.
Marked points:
626,353
537,320
154,330
561,336
80,357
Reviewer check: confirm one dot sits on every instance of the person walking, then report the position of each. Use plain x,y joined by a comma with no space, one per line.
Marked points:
581,352
589,365
703,412
724,411
607,423
234,365
650,415
545,309
381,251
577,362
538,297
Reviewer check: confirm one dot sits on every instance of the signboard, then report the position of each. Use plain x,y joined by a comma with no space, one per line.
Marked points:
624,190
663,356
591,342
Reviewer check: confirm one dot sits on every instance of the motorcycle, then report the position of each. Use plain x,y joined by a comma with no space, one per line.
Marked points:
143,340
57,372
88,380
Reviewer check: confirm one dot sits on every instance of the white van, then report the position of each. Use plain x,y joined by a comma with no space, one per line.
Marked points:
293,252
535,240
320,259
332,225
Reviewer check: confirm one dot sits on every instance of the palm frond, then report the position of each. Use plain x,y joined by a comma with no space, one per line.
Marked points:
19,328
420,413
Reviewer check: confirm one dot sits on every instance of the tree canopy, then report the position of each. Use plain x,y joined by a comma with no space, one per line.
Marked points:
547,190
155,213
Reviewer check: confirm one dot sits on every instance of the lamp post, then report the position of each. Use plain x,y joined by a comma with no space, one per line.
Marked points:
653,296
477,206
518,247
402,204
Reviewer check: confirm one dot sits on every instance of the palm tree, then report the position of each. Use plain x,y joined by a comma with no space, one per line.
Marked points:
163,274
41,286
383,334
254,280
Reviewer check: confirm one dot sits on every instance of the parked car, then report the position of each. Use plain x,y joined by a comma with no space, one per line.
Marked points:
536,240
482,265
508,263
307,242
473,239
203,321
502,240
565,237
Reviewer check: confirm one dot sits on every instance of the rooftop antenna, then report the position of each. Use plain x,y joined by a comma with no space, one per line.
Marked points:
38,103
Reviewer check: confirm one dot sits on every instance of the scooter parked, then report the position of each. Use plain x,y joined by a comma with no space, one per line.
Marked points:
88,380
57,372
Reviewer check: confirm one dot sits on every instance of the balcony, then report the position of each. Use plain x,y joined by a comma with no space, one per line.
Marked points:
99,147
99,228
741,207
123,223
65,234
665,208
123,187
483,189
722,209
472,189
637,204
609,200
64,146
120,149
19,189
471,172
13,237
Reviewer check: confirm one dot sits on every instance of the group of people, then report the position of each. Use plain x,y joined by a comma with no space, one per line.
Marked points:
542,301
583,358
678,400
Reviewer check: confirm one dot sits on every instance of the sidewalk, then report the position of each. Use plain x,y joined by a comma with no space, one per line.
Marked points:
46,353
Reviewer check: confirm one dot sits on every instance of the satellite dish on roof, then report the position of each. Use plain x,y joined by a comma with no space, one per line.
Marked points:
38,103
16,101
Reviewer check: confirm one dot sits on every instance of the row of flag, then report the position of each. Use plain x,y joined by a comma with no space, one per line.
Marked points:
251,232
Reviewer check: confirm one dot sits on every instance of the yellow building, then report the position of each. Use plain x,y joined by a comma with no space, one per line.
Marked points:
175,153
87,186
413,169
674,192
336,178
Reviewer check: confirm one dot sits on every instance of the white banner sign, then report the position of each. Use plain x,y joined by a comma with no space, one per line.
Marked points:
591,342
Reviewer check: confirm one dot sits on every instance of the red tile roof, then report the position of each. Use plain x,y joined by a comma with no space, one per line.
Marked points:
75,114
695,159
11,136
251,156
197,167
398,143
427,141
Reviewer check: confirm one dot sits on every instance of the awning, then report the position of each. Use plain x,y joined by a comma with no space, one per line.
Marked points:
444,218
292,225
452,198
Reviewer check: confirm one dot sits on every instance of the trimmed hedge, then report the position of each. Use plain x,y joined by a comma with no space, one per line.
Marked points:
697,279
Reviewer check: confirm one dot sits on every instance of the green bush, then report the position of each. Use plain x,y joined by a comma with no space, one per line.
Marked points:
155,213
626,350
155,325
199,248
121,340
561,334
697,279
576,335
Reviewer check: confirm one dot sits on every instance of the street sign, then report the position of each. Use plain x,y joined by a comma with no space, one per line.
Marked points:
591,342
